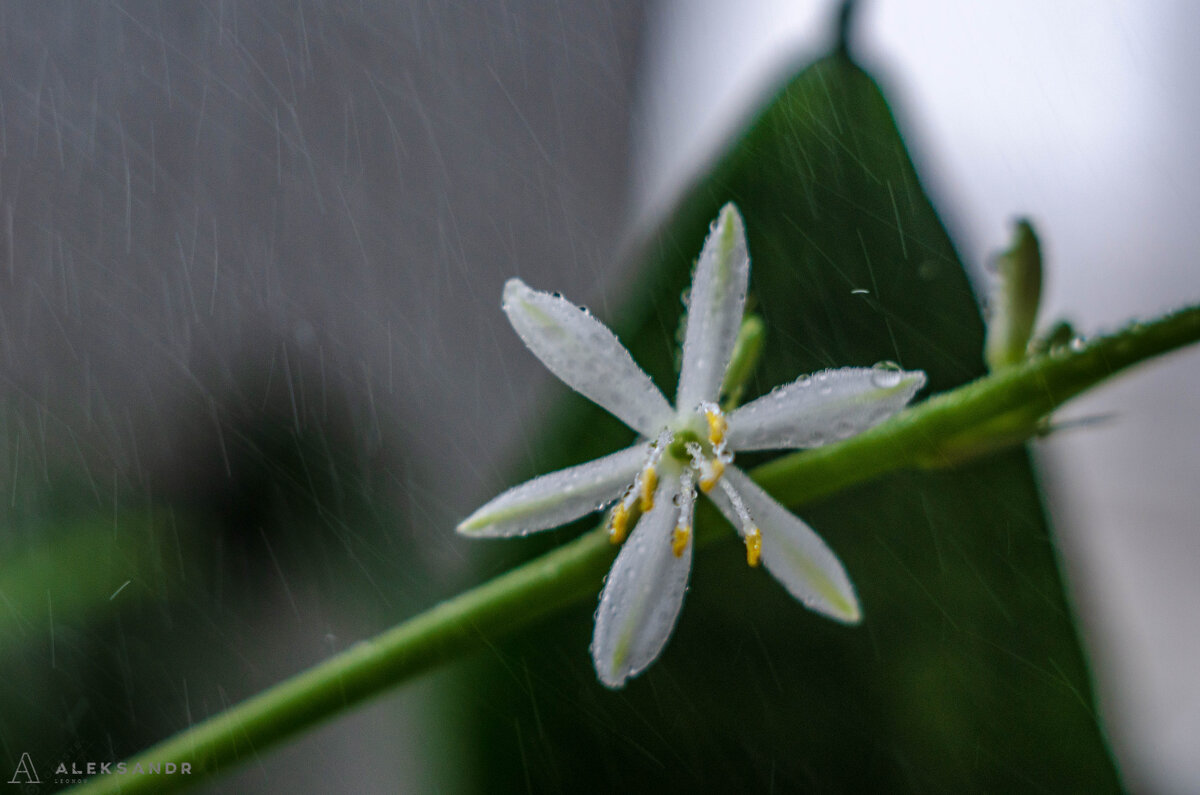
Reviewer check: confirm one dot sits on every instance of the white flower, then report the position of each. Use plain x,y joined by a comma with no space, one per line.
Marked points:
683,449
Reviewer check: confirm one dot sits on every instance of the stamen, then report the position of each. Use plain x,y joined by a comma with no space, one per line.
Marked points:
649,481
618,523
679,540
710,470
687,507
750,531
722,453
712,473
717,424
753,546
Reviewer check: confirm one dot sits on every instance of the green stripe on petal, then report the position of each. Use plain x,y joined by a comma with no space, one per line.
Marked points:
558,497
642,595
821,408
715,306
792,552
581,351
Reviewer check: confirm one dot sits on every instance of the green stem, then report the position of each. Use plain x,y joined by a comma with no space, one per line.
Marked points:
944,429
977,417
470,620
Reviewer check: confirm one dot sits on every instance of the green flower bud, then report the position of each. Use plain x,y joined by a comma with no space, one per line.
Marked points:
1014,300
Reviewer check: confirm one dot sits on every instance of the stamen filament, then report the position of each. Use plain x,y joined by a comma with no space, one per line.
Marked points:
750,531
687,507
712,473
647,479
709,470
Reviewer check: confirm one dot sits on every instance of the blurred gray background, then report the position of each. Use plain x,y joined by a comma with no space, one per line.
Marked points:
223,217
240,237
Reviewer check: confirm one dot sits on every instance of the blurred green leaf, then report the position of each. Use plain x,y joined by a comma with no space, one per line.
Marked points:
89,569
967,672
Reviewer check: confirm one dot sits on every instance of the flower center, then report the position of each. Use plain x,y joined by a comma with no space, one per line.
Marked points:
695,452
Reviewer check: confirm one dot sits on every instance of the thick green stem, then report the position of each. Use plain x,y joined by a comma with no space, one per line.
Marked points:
978,417
944,429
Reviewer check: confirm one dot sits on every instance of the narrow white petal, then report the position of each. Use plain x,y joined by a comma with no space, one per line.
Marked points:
714,314
587,356
792,552
642,594
557,498
817,409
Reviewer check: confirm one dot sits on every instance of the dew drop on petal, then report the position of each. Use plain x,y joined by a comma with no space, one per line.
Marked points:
886,375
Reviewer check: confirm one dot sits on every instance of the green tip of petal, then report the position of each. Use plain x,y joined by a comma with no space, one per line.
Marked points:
470,526
729,224
513,289
840,604
847,609
835,597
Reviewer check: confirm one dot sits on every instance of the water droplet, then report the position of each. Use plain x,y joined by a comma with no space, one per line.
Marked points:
886,375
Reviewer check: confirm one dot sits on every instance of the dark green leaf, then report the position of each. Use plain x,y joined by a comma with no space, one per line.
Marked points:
967,673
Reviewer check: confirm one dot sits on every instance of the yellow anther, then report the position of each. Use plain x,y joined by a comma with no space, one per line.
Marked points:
718,469
679,540
618,526
753,546
649,484
716,426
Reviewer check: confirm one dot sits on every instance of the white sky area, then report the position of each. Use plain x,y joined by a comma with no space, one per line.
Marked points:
1084,116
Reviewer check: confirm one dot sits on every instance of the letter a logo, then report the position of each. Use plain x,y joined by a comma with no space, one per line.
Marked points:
25,772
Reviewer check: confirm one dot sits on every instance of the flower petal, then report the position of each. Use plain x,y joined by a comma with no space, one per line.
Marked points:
822,408
792,552
582,352
714,314
558,497
642,594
